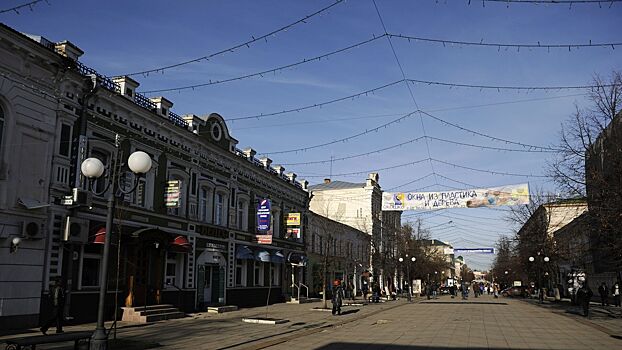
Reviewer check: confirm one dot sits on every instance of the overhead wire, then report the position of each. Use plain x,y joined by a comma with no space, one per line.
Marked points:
499,46
267,71
30,5
410,91
237,46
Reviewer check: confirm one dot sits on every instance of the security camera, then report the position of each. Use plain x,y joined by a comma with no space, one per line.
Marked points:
15,244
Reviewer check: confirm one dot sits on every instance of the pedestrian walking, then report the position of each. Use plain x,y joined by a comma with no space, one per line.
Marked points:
475,289
338,296
604,294
365,290
615,291
434,291
376,293
57,300
585,295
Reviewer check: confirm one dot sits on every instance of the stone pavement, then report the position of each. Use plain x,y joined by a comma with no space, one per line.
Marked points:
478,323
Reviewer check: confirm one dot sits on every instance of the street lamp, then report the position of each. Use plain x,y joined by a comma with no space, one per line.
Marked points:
412,259
545,259
92,168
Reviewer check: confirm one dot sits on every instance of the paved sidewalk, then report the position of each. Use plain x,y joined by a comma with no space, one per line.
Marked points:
224,331
477,323
607,319
482,323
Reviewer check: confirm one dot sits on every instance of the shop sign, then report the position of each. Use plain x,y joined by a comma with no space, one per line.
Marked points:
172,194
264,239
263,215
293,219
292,233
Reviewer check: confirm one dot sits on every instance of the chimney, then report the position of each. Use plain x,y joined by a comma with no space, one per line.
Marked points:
266,162
372,179
127,85
194,122
327,181
68,50
279,169
304,183
291,177
249,153
162,105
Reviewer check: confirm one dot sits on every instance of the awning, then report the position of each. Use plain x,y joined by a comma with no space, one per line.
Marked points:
262,255
180,244
297,259
244,252
100,236
277,257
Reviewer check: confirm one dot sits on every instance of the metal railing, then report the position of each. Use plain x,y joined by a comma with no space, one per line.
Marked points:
298,288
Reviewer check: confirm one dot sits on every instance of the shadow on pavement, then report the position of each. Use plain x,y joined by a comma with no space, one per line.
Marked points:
465,302
379,346
348,312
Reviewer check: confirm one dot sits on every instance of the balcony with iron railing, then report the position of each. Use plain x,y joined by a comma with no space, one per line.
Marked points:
139,99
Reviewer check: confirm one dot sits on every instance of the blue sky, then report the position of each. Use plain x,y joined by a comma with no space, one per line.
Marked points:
127,36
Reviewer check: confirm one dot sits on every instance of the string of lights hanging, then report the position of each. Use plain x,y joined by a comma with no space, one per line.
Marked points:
246,44
30,5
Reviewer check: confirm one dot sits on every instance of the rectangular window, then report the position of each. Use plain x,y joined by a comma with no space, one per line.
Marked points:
128,92
203,198
240,281
220,202
194,183
232,201
65,140
258,274
90,271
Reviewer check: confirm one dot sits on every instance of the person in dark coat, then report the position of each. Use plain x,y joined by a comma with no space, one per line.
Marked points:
338,296
604,293
585,295
57,299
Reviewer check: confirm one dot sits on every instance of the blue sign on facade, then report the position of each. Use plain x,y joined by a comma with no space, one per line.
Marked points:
474,250
263,215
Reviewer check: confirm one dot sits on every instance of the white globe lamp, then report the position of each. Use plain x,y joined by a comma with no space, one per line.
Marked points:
92,168
139,162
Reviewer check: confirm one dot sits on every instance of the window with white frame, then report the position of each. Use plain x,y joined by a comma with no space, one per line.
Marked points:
220,206
204,207
174,265
242,214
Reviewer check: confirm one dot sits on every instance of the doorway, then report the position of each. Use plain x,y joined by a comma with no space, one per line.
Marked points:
210,286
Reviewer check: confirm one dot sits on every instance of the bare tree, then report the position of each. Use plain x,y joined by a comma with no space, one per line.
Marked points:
580,132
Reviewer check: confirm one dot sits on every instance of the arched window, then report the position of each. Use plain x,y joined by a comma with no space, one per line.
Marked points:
104,156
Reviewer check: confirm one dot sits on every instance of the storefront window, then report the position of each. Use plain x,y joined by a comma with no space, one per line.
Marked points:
90,270
258,274
240,279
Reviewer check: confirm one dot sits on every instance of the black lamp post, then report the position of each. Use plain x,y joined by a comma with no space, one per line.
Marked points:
139,163
538,271
413,259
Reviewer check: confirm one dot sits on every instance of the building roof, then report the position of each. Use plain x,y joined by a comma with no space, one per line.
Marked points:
336,185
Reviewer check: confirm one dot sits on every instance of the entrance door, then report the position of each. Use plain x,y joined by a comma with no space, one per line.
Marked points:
208,284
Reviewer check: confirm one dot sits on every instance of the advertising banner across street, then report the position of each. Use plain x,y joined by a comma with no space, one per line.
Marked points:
471,198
